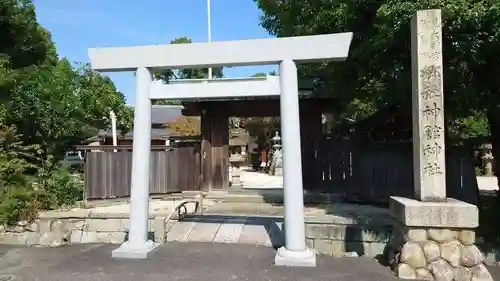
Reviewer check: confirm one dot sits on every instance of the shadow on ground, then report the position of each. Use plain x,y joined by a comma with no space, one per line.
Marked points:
366,217
354,221
489,208
272,224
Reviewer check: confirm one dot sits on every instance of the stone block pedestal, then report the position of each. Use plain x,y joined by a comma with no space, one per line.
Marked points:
435,241
278,172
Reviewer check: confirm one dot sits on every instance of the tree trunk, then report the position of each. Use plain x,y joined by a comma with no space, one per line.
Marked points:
494,122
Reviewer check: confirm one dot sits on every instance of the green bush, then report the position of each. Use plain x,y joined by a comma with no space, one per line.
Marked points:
47,190
58,189
18,203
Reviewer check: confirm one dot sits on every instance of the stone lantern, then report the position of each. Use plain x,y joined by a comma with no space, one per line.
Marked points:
277,161
487,160
236,160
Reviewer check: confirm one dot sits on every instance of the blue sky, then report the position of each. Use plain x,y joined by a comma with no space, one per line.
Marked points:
77,25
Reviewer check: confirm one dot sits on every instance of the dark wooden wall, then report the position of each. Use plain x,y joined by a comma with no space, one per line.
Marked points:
108,173
123,142
311,136
375,171
214,150
215,128
252,108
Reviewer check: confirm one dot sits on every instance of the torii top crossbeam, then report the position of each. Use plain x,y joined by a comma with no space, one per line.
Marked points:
328,47
283,51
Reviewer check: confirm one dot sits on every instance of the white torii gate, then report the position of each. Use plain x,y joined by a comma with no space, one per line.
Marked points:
283,51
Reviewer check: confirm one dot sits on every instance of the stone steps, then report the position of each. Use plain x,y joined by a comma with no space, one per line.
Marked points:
241,195
328,238
228,229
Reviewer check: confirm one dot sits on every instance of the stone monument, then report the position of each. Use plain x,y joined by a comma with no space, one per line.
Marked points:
433,237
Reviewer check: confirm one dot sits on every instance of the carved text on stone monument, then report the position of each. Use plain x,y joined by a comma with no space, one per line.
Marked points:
433,149
431,55
431,95
432,132
430,78
432,168
431,112
432,40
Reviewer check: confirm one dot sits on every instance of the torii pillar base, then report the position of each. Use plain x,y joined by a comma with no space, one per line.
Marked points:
305,258
128,250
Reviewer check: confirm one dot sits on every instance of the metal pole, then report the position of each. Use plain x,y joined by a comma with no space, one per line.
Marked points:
209,19
112,115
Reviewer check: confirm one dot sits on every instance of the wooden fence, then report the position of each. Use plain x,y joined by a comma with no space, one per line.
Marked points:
376,171
371,171
107,173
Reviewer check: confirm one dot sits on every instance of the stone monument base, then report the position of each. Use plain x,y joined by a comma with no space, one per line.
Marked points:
435,241
278,172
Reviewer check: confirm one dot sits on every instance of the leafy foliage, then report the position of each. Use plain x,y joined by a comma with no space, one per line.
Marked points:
198,73
377,73
262,74
65,107
264,128
15,158
48,190
46,107
378,70
185,126
58,188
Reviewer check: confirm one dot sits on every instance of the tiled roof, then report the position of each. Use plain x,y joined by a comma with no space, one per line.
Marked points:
160,114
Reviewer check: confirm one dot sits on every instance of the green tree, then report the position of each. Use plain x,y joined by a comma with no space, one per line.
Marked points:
59,107
46,107
198,73
24,41
50,103
262,74
259,74
27,55
25,45
264,128
378,70
185,126
167,102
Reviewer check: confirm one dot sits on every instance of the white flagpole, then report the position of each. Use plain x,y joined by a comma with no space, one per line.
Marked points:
209,18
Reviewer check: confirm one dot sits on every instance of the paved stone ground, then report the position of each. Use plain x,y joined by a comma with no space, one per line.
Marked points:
228,229
259,223
256,180
487,183
177,261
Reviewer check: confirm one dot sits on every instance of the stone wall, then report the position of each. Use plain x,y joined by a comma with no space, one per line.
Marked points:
61,228
340,236
435,241
436,254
